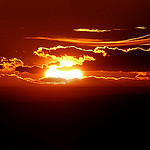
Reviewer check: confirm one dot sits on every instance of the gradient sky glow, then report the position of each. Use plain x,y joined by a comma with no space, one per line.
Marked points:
108,40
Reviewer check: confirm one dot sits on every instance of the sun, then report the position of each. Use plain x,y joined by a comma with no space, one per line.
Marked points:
53,71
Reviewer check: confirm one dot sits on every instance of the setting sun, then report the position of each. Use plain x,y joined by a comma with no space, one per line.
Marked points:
68,75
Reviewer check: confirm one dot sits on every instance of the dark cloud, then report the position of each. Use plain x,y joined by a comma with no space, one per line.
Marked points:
33,70
106,58
92,81
52,80
1,67
111,82
116,60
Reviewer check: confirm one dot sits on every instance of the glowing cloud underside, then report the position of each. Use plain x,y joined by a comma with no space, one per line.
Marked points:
68,75
98,42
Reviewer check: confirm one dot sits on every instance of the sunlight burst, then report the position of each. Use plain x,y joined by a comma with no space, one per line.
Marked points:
68,75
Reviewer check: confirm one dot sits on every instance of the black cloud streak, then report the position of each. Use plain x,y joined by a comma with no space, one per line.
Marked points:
1,67
32,70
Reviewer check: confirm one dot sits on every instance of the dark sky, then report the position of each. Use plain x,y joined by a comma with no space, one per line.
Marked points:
59,17
45,14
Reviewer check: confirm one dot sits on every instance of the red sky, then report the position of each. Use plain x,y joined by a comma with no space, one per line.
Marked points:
28,25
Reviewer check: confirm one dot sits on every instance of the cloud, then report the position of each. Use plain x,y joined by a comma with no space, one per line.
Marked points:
116,59
1,66
143,76
98,81
112,82
32,69
9,65
119,75
98,42
85,59
119,60
77,51
91,30
94,79
77,60
106,30
52,81
96,30
145,44
141,28
73,50
100,64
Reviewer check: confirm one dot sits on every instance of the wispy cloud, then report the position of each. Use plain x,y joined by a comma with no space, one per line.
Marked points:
96,30
141,28
106,30
91,30
45,52
98,42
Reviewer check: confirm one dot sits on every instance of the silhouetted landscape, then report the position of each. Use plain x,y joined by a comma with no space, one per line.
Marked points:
49,117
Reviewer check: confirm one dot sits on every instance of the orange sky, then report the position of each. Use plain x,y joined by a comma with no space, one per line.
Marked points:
107,40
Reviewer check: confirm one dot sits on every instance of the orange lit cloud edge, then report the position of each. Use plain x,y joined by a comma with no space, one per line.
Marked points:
8,68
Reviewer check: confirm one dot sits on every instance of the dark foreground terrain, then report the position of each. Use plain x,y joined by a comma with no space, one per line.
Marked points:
74,117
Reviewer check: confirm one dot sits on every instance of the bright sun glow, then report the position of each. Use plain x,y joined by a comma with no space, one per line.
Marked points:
66,64
68,75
